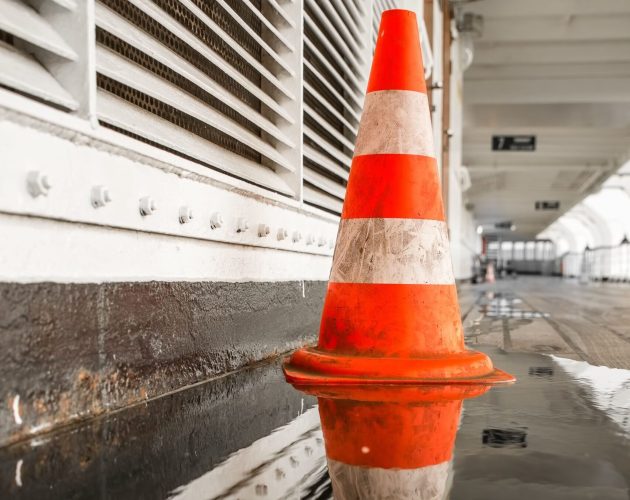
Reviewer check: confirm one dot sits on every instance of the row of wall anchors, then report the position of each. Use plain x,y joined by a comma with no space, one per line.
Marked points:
38,184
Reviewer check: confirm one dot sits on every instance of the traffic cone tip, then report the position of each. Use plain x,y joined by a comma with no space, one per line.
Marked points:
397,63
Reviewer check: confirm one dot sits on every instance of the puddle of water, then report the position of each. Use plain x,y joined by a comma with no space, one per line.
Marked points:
506,305
561,432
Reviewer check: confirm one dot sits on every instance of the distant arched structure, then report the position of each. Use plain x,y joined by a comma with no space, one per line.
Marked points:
600,222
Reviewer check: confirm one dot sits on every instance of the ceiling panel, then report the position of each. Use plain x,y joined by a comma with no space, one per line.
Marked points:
559,70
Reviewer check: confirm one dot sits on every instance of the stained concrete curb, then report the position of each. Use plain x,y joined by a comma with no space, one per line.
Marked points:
71,351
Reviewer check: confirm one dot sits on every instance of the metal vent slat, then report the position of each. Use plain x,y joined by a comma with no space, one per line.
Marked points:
270,52
349,73
332,32
22,72
123,29
281,12
319,198
234,45
334,150
323,102
208,71
356,25
324,183
25,23
352,93
335,75
374,33
269,25
123,115
190,39
66,4
328,85
340,22
322,122
324,162
35,58
127,73
327,146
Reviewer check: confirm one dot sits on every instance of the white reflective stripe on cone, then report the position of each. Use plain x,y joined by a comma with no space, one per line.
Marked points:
394,251
395,122
351,482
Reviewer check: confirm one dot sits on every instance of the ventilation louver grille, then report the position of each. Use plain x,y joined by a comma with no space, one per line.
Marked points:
338,45
336,62
242,86
209,69
32,49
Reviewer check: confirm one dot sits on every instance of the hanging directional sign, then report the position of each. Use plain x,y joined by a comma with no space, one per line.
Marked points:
513,143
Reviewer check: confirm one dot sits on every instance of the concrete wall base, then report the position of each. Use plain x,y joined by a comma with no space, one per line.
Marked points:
73,351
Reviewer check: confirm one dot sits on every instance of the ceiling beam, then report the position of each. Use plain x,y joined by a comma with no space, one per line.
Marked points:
555,161
525,168
539,71
555,131
602,116
557,28
520,8
561,90
588,157
552,52
557,69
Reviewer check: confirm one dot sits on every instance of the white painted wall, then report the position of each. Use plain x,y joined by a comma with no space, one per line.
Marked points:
465,242
36,249
60,236
437,80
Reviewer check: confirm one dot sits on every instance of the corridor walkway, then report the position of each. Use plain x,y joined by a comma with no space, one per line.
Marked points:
551,316
561,432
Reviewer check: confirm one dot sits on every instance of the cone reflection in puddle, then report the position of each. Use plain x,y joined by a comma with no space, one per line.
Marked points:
390,441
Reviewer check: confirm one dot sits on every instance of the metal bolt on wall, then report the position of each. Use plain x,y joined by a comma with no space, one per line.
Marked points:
100,196
242,225
38,183
147,206
185,214
216,220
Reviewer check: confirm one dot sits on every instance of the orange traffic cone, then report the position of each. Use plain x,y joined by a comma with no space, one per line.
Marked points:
391,443
391,313
490,273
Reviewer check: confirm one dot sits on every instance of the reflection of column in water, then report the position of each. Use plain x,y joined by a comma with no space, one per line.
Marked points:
625,255
585,270
391,443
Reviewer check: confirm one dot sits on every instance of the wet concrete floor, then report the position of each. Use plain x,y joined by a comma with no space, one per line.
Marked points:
561,432
553,316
